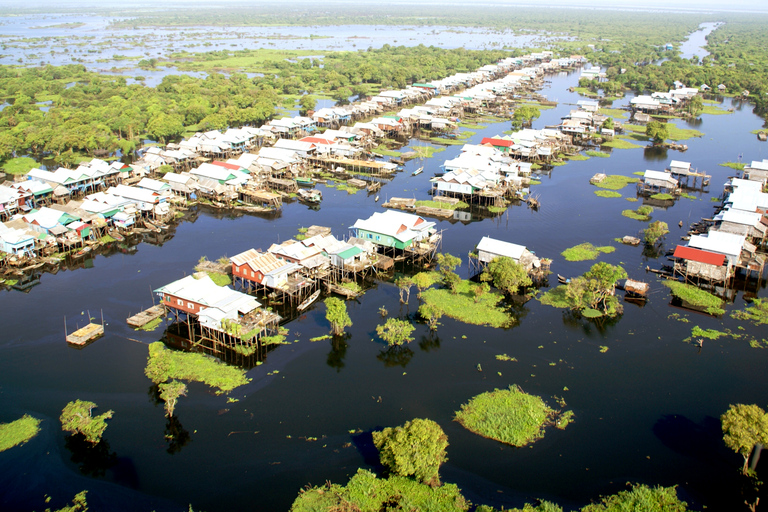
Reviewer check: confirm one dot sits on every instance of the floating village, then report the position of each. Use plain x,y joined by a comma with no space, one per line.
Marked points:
55,218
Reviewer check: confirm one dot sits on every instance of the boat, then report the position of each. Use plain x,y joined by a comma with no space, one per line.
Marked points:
376,199
635,288
82,252
305,182
309,300
116,235
562,279
418,171
312,196
84,335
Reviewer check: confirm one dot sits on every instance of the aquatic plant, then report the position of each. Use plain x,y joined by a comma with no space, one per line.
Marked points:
395,331
607,193
640,497
585,251
757,312
599,154
164,364
415,449
18,432
461,305
662,197
76,418
641,214
696,297
615,182
510,416
336,314
655,231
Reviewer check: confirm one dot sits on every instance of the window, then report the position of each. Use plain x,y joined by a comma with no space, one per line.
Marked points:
191,305
179,302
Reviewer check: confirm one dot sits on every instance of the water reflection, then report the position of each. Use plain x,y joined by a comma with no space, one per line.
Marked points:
338,351
92,459
398,355
176,435
655,153
429,342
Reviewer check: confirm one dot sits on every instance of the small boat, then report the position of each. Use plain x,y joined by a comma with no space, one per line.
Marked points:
376,199
309,300
418,171
304,182
313,196
116,235
82,252
562,279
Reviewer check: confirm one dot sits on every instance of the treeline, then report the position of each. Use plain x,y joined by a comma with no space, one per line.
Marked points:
89,112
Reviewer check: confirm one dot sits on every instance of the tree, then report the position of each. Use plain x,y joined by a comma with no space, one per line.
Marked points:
404,284
448,263
506,275
480,290
395,332
76,418
608,124
416,449
695,106
595,290
336,314
306,103
744,427
170,392
654,231
525,115
422,280
431,314
641,497
659,132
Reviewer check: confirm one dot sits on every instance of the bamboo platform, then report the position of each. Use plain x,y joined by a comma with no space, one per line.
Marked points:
146,316
85,334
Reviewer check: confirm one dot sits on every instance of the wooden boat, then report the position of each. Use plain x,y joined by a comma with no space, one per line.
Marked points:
309,300
86,334
418,171
374,186
82,252
312,196
562,279
116,235
376,199
304,182
761,136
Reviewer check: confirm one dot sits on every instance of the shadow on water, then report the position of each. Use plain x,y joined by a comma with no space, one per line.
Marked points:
91,459
338,351
176,435
655,153
398,355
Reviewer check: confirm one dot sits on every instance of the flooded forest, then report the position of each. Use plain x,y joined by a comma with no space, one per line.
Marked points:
357,257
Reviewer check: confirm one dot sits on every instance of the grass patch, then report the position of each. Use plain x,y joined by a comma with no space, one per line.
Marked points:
473,126
632,199
620,143
20,165
585,251
613,112
607,193
688,196
714,110
106,239
444,206
461,306
662,196
382,150
351,286
739,166
639,173
219,278
677,134
18,432
497,209
538,182
575,158
696,297
615,182
756,313
150,326
556,297
510,416
598,154
164,364
505,357
643,213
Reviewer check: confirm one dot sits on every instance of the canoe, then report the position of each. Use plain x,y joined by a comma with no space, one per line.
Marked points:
309,300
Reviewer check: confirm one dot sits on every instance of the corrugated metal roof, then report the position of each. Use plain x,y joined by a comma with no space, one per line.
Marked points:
501,248
719,242
690,253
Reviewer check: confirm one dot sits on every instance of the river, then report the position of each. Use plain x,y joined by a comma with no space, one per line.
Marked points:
646,410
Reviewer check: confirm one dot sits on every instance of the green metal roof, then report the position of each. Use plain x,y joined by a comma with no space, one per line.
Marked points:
352,251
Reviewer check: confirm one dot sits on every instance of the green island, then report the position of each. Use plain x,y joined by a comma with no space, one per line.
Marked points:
18,432
696,297
586,251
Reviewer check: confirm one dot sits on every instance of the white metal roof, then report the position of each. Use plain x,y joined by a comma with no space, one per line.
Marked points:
500,248
719,242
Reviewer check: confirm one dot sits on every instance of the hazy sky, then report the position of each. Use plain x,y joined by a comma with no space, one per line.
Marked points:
695,5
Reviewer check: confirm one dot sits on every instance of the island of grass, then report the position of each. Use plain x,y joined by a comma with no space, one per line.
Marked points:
696,297
662,196
466,307
620,143
615,182
586,251
444,205
599,154
19,166
739,166
18,432
642,214
607,193
756,313
164,364
510,416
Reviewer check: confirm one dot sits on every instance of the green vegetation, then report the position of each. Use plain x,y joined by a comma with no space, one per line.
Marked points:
510,416
18,432
714,110
696,297
607,193
366,493
663,197
710,334
164,364
756,313
19,165
382,150
613,112
505,357
524,116
170,392
642,214
506,275
585,251
677,134
593,294
599,154
445,206
416,449
76,418
620,142
739,166
463,307
395,332
351,286
150,326
641,497
655,231
615,182
336,314
744,426
577,157
658,131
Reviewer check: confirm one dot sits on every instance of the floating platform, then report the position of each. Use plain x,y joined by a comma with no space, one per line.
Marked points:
146,316
86,334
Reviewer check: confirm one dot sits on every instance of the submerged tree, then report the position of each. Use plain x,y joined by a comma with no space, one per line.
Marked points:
77,419
396,332
404,284
655,231
336,314
431,314
506,274
415,449
448,264
744,427
657,131
170,392
594,293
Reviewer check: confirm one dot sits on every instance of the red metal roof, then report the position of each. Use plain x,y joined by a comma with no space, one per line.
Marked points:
231,167
316,140
689,253
497,142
